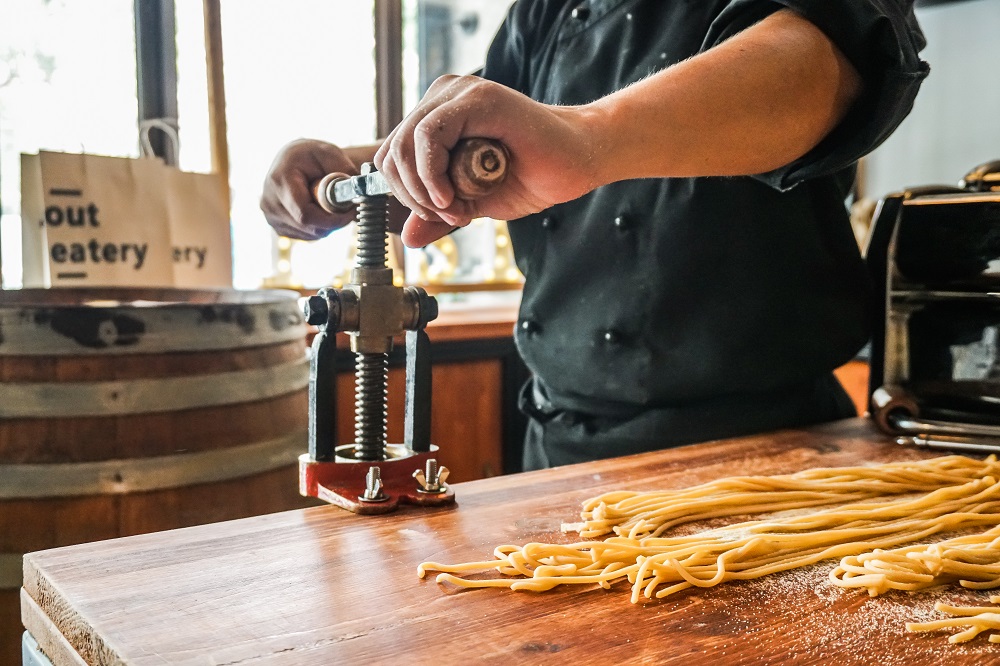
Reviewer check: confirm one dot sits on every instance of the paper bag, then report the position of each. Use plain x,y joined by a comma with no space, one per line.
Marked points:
90,220
94,220
201,242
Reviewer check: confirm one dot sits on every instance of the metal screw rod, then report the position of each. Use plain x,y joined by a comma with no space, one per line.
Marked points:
372,370
372,395
373,223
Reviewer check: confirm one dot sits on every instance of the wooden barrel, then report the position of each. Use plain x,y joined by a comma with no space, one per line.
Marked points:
125,411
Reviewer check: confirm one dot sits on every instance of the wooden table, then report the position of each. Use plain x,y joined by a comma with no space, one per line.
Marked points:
321,586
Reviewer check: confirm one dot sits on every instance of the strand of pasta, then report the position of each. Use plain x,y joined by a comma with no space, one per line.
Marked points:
656,512
972,561
977,619
739,552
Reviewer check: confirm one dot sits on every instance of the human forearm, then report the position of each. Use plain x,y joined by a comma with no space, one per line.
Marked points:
752,104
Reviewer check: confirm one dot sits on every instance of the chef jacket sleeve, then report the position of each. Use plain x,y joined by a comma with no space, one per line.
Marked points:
882,39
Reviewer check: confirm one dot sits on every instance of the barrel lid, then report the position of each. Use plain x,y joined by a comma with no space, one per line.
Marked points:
75,321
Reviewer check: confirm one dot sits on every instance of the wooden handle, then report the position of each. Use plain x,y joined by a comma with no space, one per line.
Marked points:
323,194
477,167
889,399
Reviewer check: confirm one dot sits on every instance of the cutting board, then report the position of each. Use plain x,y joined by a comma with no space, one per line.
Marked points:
321,586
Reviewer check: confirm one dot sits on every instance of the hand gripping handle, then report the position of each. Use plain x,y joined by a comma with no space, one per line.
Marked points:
476,167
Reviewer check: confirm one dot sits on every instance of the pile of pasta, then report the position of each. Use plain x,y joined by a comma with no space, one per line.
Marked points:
640,514
872,511
972,561
976,619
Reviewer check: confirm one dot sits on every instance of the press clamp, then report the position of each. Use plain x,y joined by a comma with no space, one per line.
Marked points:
370,476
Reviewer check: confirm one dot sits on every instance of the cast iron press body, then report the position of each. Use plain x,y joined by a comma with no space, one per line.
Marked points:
370,476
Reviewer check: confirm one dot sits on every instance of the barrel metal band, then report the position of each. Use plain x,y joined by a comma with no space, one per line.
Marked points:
138,330
10,571
146,396
133,475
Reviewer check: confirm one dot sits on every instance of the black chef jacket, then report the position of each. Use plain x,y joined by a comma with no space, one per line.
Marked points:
659,312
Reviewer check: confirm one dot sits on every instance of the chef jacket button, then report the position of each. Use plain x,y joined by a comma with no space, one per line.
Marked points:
549,222
622,223
530,326
612,337
581,12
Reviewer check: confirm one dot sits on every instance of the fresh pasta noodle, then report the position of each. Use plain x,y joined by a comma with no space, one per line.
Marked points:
957,493
654,513
976,619
972,561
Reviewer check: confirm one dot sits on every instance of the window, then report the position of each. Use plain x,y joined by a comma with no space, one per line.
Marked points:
953,125
299,68
452,37
67,82
294,69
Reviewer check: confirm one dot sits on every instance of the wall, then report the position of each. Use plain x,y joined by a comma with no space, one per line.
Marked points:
953,126
468,47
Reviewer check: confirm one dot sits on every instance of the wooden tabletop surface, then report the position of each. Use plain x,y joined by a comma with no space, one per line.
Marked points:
321,586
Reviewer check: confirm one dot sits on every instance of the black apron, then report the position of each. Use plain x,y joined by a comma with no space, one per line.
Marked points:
561,437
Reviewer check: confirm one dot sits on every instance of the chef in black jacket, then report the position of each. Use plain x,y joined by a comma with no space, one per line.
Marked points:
676,202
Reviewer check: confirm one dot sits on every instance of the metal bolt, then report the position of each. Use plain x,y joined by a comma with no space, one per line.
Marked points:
316,310
432,480
373,486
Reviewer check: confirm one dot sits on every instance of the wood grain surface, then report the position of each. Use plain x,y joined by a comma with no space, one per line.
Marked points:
321,586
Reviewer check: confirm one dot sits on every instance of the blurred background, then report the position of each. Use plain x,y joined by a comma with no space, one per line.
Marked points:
75,77
79,76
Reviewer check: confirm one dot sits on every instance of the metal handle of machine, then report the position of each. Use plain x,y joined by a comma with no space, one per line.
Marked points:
949,443
476,167
927,427
896,412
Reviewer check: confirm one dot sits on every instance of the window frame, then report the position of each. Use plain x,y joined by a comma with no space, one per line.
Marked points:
156,73
156,68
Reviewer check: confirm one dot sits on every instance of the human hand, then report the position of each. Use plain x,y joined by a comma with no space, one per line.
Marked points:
550,155
287,200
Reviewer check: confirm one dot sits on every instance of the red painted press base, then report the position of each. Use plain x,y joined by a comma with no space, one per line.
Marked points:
342,483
